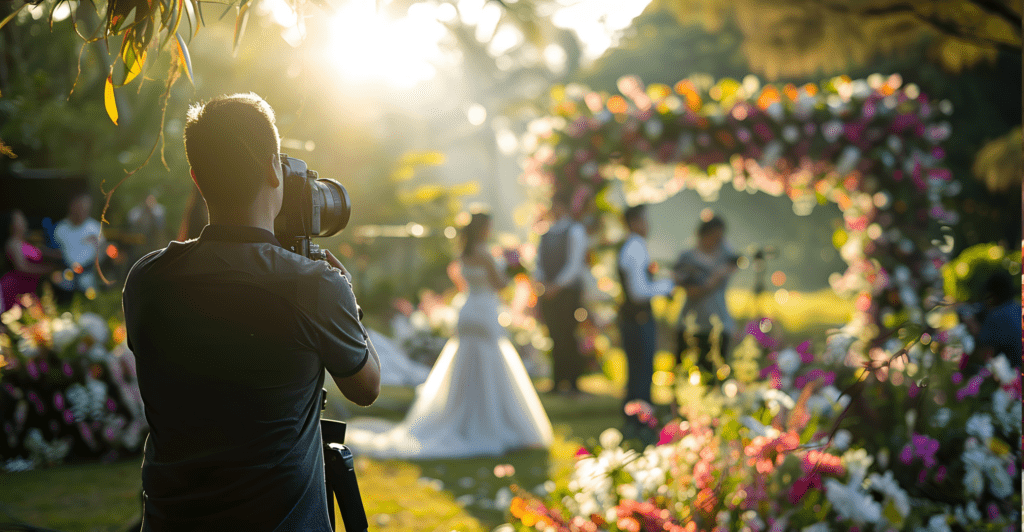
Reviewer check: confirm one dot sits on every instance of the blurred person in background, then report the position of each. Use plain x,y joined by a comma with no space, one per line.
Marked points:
147,221
79,238
26,262
636,318
996,323
704,272
561,261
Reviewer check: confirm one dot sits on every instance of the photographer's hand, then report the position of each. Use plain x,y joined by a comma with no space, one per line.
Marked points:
333,261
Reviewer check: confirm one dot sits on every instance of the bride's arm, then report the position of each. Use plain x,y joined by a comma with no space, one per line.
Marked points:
496,276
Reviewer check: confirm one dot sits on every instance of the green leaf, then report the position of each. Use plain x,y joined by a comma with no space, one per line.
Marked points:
108,99
184,58
10,17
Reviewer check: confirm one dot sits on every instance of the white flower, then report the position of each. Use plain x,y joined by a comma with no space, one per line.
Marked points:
887,485
942,417
938,523
974,482
816,527
1000,482
857,462
789,361
852,503
63,331
95,326
980,425
610,438
1001,369
1007,411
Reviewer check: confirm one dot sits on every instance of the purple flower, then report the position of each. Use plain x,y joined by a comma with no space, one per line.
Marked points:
66,368
907,454
925,448
940,474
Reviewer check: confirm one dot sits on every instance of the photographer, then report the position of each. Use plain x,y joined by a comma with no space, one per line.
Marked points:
704,273
232,334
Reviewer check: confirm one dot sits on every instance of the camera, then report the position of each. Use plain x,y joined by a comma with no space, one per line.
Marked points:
313,207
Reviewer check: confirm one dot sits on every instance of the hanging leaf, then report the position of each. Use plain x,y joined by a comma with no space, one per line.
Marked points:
108,99
240,21
133,62
184,59
14,13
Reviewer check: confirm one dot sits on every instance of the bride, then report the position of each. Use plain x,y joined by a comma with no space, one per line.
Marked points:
478,399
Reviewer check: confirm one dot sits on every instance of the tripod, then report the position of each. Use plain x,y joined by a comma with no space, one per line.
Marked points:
340,476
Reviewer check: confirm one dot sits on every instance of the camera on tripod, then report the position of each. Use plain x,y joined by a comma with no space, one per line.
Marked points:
313,206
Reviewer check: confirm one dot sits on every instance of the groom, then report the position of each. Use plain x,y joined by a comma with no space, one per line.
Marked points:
560,263
636,321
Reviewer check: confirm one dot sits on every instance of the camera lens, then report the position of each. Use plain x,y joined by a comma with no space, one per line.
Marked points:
335,205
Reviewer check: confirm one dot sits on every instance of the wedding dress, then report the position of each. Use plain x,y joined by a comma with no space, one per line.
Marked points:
477,400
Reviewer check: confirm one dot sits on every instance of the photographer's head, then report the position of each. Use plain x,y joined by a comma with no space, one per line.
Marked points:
233,148
710,233
636,219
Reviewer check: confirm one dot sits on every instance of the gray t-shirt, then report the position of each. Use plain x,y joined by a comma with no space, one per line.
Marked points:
231,335
694,267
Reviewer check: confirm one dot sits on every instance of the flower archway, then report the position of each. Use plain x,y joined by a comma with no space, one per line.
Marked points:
873,147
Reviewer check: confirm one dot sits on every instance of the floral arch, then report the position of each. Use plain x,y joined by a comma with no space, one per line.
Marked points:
873,147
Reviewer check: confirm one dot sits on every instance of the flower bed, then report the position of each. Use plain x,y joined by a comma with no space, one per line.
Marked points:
808,444
67,389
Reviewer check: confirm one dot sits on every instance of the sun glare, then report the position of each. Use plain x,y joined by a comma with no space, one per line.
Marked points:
365,46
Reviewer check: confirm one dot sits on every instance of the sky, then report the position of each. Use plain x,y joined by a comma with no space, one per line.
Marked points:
409,50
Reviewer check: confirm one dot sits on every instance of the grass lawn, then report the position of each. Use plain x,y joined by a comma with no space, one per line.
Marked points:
436,495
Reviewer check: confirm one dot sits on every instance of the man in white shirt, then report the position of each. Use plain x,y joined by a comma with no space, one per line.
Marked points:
636,322
560,267
79,238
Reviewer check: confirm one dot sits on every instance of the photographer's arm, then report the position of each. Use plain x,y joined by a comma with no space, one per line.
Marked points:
362,387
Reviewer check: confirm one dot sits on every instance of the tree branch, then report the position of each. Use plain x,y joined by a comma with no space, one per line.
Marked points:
943,26
1001,10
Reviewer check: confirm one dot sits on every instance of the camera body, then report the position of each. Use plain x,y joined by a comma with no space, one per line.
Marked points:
313,207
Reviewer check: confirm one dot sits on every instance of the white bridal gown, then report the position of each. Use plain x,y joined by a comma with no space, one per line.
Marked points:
478,399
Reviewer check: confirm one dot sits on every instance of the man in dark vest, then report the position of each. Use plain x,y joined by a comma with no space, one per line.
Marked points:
560,263
636,322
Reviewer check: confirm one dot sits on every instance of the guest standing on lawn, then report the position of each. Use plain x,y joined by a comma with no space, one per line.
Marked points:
560,266
704,272
636,320
232,335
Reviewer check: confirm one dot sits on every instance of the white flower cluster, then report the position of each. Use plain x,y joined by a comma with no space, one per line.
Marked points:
64,330
894,496
87,402
594,490
850,500
981,463
41,452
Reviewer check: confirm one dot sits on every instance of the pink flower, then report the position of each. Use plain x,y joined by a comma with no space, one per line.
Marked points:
582,452
802,485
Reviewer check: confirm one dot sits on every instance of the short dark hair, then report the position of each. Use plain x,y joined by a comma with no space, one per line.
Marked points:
227,143
1000,286
634,213
710,225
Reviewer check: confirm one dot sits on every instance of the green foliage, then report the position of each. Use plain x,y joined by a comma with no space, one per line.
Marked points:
798,38
964,277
